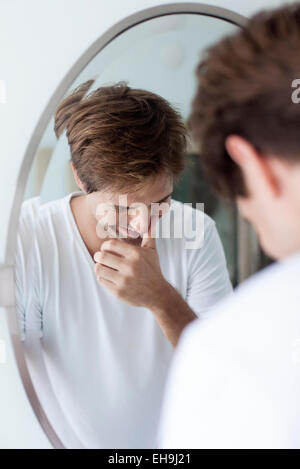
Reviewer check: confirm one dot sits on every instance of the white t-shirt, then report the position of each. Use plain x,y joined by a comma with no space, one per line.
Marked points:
107,361
234,381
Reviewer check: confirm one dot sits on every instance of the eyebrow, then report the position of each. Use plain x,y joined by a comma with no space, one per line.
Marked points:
158,201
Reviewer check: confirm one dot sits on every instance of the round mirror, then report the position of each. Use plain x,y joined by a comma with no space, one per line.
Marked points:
96,363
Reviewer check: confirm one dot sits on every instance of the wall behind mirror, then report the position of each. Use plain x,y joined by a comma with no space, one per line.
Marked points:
159,55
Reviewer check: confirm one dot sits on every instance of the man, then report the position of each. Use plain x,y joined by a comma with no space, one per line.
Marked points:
106,294
235,381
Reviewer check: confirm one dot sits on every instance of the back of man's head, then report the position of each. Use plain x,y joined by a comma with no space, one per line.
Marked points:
245,88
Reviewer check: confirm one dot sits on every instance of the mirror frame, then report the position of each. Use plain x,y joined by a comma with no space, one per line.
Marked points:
104,39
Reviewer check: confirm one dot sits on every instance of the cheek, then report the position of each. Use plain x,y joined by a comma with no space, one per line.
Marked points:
245,209
163,209
110,217
139,217
105,214
256,216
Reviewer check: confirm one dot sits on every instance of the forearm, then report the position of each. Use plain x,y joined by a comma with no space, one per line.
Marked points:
172,313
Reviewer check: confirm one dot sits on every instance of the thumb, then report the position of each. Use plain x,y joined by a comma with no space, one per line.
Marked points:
148,240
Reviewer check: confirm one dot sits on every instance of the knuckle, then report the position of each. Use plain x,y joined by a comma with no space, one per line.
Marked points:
111,243
100,269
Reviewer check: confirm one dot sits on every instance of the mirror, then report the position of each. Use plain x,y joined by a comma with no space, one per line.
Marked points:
97,363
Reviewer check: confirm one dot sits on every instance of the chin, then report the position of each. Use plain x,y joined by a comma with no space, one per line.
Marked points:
133,241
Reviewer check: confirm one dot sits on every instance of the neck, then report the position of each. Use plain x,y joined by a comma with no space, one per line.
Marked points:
86,223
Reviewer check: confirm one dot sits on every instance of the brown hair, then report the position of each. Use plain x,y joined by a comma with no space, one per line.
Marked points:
245,88
119,136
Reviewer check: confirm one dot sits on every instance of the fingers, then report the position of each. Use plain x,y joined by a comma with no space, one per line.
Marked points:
118,247
110,260
107,273
106,283
149,237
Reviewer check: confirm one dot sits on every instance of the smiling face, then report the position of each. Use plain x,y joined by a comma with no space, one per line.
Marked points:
127,215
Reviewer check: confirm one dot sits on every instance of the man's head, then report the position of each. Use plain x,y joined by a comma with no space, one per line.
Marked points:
248,127
123,142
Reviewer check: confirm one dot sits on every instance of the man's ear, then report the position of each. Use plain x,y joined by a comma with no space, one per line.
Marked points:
257,170
76,177
239,150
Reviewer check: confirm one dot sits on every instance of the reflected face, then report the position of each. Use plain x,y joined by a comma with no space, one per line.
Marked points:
127,215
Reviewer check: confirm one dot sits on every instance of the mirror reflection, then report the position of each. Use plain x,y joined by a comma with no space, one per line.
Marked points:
121,242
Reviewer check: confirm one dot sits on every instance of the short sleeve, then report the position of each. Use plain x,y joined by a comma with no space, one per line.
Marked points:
208,278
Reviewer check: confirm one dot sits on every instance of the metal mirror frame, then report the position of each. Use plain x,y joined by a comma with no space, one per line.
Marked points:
108,36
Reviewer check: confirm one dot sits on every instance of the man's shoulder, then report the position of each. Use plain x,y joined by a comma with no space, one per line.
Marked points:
30,207
37,215
36,209
240,365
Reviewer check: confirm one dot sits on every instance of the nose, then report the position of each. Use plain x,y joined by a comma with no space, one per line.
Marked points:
139,223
